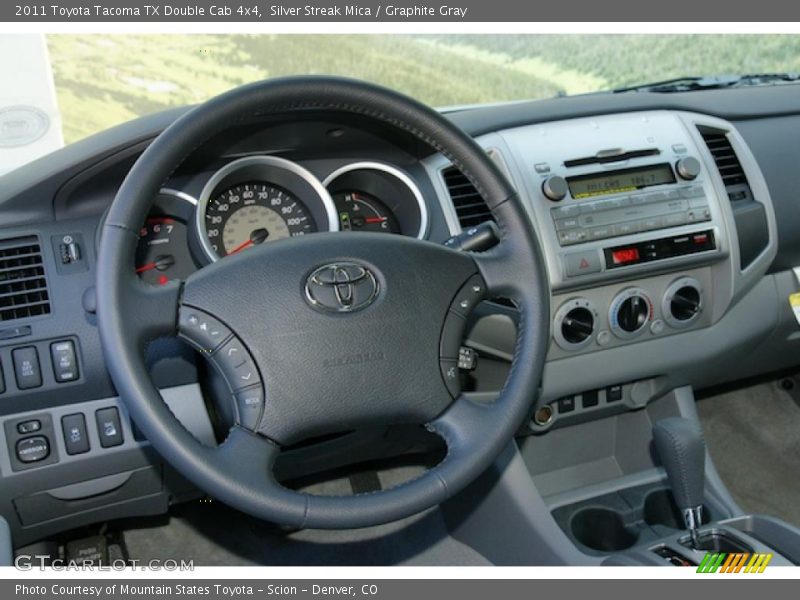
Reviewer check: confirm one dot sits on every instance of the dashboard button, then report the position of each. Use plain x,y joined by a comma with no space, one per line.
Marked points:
698,215
566,404
2,380
591,207
203,331
582,263
676,219
27,370
31,426
575,236
589,399
701,202
563,224
613,393
236,364
570,210
601,233
33,449
250,406
76,439
693,191
109,427
470,294
626,228
451,376
65,361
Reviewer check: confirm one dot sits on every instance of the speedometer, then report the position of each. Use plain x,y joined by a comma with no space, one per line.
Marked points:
249,214
259,199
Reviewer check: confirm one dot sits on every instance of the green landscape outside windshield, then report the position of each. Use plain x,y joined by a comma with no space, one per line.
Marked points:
104,80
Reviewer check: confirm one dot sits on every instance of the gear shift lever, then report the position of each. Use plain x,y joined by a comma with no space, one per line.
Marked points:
682,450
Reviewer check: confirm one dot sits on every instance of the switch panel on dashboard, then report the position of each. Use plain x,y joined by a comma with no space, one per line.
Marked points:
39,365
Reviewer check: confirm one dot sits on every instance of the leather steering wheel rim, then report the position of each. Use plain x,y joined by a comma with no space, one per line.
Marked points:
239,471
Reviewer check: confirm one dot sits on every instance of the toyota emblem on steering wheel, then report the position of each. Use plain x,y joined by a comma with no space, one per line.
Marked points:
341,287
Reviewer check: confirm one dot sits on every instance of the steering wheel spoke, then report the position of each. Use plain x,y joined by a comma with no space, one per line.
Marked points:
501,278
152,311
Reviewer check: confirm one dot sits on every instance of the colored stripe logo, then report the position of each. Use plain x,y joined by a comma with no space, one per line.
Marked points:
736,562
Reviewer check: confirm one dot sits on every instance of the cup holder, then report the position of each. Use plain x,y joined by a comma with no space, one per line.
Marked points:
660,509
602,529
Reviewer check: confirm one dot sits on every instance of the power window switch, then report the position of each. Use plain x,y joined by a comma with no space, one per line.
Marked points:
109,427
65,361
76,438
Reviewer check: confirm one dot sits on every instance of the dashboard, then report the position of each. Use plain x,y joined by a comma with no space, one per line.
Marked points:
669,225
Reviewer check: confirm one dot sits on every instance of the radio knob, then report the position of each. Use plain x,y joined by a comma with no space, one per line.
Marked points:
555,188
688,168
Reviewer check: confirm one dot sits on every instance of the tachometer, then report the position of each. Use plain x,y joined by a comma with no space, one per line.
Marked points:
162,253
249,214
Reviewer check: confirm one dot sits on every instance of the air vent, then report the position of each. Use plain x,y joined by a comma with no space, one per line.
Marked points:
469,204
749,215
730,169
23,286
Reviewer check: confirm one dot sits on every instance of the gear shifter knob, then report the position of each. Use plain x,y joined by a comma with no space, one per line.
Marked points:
682,450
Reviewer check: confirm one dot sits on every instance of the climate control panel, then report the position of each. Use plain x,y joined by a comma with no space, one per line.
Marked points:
610,316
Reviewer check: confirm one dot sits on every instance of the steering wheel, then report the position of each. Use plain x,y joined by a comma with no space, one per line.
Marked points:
337,330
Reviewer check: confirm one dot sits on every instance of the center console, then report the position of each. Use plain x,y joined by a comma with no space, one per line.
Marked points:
657,230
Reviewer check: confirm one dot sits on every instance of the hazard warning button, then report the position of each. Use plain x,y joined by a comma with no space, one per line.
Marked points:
582,263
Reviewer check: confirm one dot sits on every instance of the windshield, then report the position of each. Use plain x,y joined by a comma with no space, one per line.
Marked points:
77,85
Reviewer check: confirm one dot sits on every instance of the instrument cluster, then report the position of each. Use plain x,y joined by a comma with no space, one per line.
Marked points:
263,199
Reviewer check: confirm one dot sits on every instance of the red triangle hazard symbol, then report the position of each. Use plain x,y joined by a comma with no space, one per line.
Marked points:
584,264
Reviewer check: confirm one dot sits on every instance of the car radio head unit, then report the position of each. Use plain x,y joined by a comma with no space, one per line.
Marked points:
618,195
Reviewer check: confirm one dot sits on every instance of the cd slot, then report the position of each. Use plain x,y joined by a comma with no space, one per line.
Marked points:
611,156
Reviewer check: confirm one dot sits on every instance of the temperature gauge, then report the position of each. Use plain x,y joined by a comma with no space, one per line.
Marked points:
359,211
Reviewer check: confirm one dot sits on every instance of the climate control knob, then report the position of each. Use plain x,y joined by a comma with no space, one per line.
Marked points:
555,188
575,324
630,313
683,302
688,168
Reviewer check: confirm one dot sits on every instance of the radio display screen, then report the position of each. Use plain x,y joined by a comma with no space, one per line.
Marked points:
624,180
